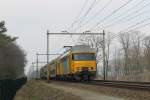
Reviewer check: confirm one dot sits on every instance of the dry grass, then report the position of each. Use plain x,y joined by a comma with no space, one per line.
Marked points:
35,90
127,94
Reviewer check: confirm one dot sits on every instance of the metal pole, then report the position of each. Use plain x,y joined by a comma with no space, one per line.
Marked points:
47,46
37,65
47,52
116,69
34,74
104,68
30,72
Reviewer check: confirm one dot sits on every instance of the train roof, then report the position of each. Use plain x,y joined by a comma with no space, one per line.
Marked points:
82,48
74,49
65,54
78,48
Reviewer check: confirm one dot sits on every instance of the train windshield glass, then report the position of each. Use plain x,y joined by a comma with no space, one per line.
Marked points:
83,56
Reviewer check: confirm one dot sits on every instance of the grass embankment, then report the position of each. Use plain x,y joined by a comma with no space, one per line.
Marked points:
36,90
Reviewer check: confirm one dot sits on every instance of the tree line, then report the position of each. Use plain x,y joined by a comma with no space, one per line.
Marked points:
127,55
12,57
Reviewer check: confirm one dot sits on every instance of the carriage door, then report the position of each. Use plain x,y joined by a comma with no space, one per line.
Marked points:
65,64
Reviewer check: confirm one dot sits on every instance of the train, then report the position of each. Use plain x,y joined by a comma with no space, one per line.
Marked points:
77,63
43,72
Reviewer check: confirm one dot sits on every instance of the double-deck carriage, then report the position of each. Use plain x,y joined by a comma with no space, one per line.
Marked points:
78,63
43,72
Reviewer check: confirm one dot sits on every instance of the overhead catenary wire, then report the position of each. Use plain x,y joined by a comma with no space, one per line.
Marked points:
117,35
111,14
140,13
139,27
133,27
96,14
84,5
93,4
100,11
126,4
129,19
129,10
78,15
138,23
130,14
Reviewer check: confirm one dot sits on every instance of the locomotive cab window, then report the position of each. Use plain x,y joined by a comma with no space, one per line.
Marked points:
83,56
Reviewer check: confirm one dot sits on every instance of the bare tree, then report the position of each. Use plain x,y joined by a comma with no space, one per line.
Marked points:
125,42
109,38
94,42
147,52
136,52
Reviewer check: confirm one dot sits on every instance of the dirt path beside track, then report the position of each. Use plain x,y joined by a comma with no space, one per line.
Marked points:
36,90
84,94
104,92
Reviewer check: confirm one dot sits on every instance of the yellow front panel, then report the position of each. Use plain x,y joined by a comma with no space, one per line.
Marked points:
61,68
79,65
58,68
57,72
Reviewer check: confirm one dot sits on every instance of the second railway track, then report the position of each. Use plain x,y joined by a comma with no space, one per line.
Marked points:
118,84
123,84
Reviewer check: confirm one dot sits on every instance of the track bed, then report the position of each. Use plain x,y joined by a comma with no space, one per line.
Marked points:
109,90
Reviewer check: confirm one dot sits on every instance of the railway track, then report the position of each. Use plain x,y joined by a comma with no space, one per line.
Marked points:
117,84
122,84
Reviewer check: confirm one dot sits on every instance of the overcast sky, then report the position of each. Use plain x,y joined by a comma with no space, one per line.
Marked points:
29,19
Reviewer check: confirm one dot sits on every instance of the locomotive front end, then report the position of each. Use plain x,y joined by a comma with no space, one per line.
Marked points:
84,63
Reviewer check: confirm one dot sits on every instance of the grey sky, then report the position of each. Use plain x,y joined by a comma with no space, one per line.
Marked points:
29,19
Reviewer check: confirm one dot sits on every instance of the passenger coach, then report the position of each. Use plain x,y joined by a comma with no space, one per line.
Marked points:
78,63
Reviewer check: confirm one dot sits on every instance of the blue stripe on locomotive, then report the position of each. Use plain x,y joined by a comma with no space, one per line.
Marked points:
65,65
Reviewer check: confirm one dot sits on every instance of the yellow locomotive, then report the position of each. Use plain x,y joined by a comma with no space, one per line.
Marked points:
78,63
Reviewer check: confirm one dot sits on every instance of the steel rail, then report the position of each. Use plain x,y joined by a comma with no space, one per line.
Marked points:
118,84
122,84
